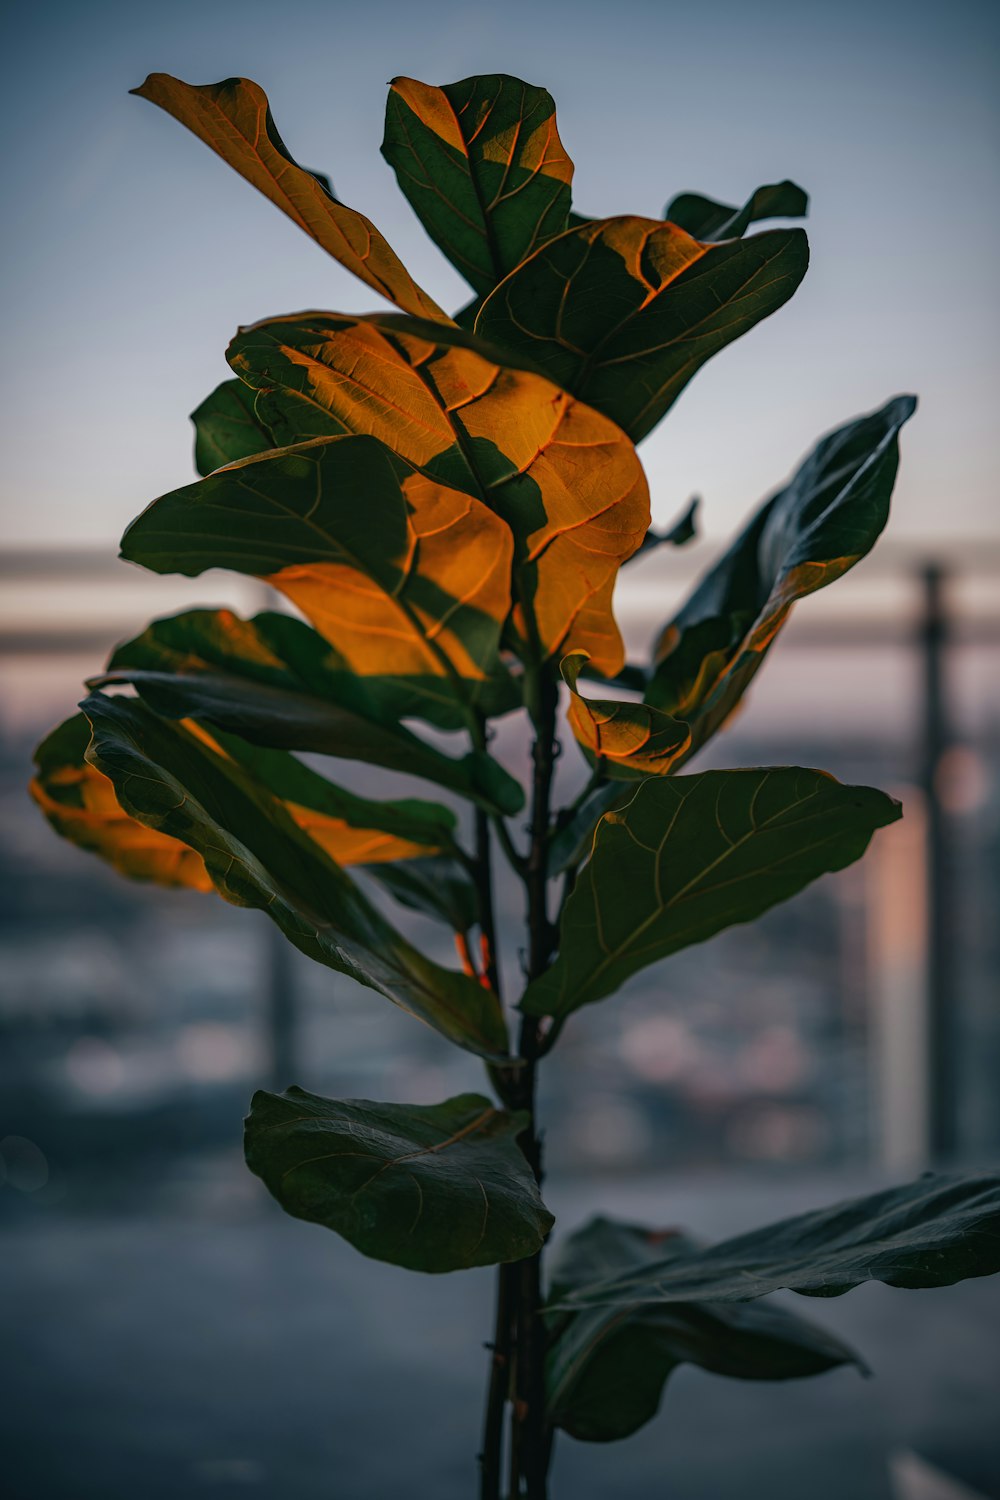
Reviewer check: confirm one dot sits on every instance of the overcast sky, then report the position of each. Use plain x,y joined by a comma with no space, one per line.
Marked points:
132,253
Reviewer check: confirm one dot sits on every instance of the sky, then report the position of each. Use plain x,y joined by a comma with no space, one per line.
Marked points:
132,253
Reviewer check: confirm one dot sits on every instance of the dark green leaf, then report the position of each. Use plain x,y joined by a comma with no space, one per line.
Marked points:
622,312
806,536
483,167
607,1366
708,220
690,855
401,574
933,1232
276,682
679,534
431,1187
438,887
226,427
257,855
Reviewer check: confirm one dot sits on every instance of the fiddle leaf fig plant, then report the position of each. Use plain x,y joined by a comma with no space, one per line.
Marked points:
445,504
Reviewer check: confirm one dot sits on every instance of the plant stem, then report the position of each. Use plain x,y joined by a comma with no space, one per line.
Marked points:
491,1453
530,1448
491,1456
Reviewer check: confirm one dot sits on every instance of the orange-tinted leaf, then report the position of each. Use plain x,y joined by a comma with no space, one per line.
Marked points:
275,682
632,739
565,479
404,575
81,805
483,166
234,118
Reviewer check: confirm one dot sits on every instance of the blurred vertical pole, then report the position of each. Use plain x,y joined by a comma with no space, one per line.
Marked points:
941,946
281,1009
895,875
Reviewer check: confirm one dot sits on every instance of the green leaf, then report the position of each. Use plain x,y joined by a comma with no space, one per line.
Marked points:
630,739
437,1187
402,574
227,428
566,481
234,118
708,220
438,887
483,167
276,682
933,1232
80,804
622,312
690,855
806,536
256,855
607,1366
683,530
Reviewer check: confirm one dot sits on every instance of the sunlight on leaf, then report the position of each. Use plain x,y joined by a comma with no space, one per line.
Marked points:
81,805
633,739
566,480
398,572
624,311
234,118
483,167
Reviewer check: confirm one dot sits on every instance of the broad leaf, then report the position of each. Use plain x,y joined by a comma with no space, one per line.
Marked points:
431,1187
81,805
607,1366
933,1232
690,855
275,682
256,855
227,428
806,536
234,118
708,220
483,167
437,886
632,739
622,312
566,480
402,574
